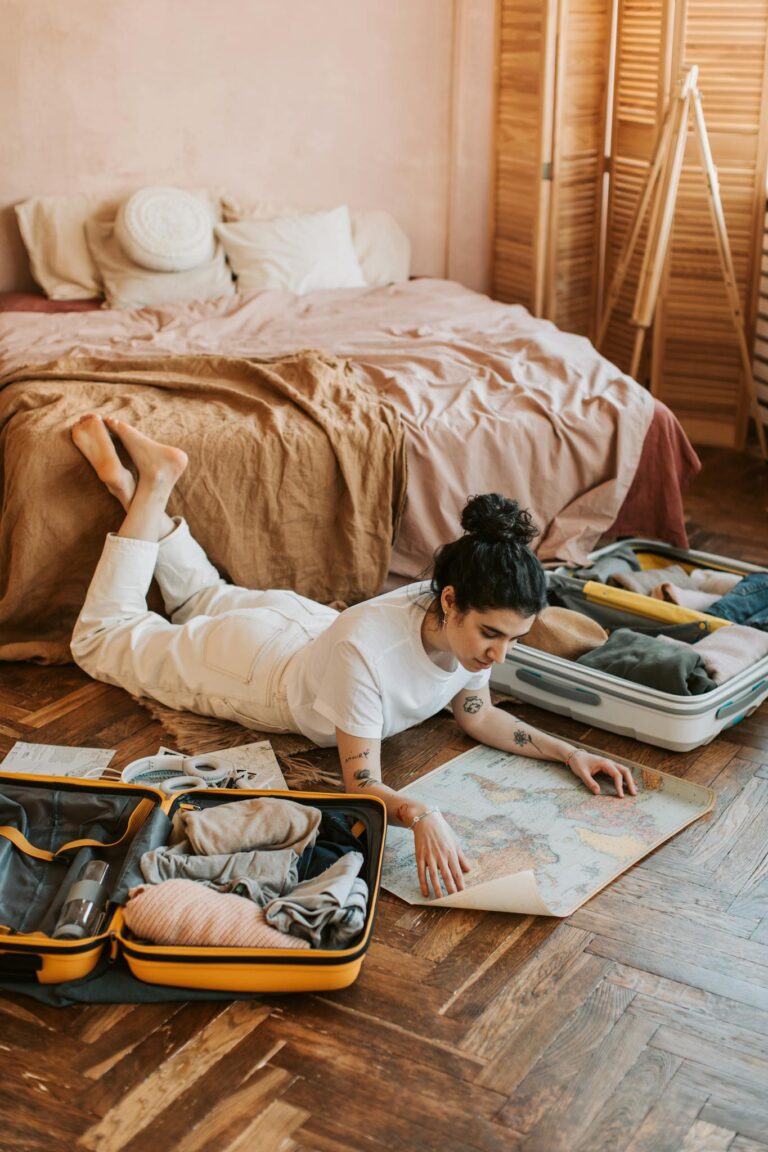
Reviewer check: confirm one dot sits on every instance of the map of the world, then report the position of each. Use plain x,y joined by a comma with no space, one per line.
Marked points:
514,815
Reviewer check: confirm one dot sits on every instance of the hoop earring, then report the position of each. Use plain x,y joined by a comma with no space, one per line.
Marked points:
445,620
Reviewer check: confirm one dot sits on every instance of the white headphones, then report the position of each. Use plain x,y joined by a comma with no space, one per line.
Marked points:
178,773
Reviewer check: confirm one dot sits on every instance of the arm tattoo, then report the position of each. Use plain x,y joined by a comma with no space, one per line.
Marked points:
364,777
473,704
521,738
358,756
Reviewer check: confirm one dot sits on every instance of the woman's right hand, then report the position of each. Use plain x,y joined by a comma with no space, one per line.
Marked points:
438,855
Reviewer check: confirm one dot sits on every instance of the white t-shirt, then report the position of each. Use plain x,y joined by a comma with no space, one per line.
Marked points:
369,674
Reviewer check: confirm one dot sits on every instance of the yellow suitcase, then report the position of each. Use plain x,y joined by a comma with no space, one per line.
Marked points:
46,820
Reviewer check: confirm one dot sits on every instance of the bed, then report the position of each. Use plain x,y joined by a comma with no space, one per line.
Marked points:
334,436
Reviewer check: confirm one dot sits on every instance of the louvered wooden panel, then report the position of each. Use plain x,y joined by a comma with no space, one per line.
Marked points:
523,141
761,332
641,85
697,369
573,264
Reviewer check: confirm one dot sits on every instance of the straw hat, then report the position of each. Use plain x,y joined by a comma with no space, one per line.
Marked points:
562,632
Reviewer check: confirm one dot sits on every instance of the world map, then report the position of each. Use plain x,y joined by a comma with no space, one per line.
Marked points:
513,815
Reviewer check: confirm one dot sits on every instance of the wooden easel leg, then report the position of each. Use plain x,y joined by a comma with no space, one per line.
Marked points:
637,352
726,265
621,269
677,112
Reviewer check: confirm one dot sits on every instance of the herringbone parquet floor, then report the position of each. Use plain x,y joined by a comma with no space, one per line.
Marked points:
640,1024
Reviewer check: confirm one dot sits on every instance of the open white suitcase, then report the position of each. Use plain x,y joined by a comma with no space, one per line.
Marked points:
607,701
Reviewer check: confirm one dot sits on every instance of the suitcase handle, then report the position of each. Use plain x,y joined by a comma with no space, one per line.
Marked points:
17,967
732,706
568,691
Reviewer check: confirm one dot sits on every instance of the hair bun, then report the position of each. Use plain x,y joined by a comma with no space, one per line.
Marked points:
492,519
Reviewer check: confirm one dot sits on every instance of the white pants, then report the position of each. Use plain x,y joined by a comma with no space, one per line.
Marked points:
224,651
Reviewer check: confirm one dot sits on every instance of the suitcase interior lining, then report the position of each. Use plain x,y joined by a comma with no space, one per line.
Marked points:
33,890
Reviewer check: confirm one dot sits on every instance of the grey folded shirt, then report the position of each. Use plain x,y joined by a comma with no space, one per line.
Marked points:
260,875
653,661
329,910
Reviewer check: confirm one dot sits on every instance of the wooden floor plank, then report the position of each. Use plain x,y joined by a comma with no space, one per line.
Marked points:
621,1115
670,1119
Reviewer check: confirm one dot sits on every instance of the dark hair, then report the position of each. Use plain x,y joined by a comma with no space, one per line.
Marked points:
491,565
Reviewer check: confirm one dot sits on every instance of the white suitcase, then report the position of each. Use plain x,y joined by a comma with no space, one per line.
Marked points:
607,701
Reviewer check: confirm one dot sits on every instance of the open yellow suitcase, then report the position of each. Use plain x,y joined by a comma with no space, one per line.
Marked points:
45,820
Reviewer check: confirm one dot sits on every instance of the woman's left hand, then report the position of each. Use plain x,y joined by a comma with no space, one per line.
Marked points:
586,765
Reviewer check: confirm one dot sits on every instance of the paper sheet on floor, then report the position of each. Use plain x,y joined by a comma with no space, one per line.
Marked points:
56,760
538,841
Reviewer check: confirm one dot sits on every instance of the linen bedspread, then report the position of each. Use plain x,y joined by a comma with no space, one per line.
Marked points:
492,398
296,479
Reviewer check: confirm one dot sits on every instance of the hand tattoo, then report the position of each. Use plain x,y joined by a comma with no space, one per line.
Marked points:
473,704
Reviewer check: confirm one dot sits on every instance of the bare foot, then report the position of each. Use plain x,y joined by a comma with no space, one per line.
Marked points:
92,438
159,465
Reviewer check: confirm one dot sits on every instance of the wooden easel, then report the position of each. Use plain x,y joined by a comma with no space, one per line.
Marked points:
660,191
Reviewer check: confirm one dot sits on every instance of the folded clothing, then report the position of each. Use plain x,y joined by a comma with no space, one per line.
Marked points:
746,603
728,651
688,597
619,560
334,839
710,580
182,913
261,875
645,581
329,910
266,822
650,660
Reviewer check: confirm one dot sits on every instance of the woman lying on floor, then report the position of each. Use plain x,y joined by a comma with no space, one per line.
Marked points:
278,662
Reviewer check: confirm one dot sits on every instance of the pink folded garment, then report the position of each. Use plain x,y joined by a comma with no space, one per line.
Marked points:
183,913
687,597
710,580
728,651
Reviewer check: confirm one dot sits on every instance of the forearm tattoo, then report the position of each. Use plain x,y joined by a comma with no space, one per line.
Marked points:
363,776
472,704
521,738
358,756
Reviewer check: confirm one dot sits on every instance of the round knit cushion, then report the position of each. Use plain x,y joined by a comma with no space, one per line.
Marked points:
165,229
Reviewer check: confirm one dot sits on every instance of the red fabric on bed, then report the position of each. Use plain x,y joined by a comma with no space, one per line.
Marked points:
31,302
654,503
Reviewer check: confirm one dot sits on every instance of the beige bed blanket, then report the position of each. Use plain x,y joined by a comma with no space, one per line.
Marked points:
492,398
296,478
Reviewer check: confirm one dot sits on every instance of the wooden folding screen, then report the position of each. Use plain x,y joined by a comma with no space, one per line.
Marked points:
552,78
694,364
553,89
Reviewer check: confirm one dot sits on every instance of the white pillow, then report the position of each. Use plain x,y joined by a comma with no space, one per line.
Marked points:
53,231
128,285
165,229
382,248
53,234
295,253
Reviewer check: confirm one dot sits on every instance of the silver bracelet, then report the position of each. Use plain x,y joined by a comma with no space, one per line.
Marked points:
429,812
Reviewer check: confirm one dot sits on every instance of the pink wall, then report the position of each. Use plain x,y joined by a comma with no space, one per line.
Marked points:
376,103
